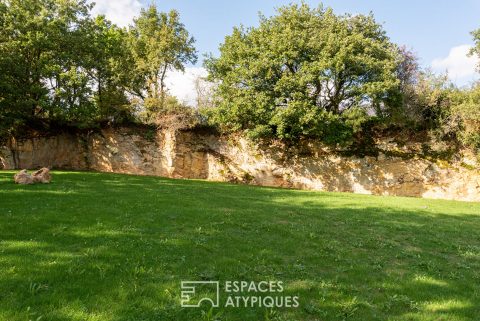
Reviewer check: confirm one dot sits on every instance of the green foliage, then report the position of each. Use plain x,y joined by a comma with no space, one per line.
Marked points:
59,64
476,50
110,67
430,100
468,109
168,112
465,117
37,48
305,72
300,69
401,107
159,42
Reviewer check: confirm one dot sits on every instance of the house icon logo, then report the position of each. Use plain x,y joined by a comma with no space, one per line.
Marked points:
194,293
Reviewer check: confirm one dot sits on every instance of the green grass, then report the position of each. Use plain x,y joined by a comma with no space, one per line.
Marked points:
94,246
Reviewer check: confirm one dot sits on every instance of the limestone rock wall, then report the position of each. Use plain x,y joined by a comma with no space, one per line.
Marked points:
64,151
190,154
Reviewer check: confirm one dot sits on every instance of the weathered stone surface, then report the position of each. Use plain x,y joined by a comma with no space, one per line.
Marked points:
189,154
63,151
42,176
23,177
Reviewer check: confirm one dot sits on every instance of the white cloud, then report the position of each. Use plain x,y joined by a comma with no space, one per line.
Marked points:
460,67
120,12
182,84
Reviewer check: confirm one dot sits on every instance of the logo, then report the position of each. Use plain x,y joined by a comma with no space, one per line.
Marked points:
236,294
194,293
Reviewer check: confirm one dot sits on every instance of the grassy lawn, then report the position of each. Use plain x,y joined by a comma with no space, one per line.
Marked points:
94,246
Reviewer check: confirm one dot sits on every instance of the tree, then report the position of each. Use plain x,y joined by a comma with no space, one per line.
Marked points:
302,70
109,65
476,50
423,98
159,43
42,59
59,64
402,108
204,91
464,118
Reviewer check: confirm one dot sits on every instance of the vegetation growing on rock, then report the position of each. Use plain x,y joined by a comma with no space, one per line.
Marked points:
302,73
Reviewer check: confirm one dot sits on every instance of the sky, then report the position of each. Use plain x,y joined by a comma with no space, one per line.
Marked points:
437,31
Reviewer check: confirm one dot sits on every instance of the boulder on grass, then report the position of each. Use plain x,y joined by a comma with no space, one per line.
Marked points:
23,177
42,176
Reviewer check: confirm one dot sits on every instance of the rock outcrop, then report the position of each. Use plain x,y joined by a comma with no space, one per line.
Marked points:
204,155
42,176
23,177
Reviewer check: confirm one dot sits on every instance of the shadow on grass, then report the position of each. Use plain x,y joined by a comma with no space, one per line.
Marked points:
115,247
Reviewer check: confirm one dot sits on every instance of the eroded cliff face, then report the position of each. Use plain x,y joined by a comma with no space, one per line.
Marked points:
190,154
64,151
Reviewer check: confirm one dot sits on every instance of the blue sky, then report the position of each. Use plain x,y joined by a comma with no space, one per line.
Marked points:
438,31
432,28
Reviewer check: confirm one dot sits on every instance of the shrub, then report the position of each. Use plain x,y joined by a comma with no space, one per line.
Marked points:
465,117
169,114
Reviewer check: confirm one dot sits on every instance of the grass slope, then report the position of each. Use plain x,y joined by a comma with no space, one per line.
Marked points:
94,246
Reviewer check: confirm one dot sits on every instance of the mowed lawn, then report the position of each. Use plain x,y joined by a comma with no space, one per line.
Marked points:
92,246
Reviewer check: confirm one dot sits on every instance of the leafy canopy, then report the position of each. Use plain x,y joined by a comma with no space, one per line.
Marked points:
476,49
159,43
59,64
303,72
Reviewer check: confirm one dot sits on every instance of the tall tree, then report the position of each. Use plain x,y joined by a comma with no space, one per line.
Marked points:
300,65
476,50
41,56
58,63
109,64
159,42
